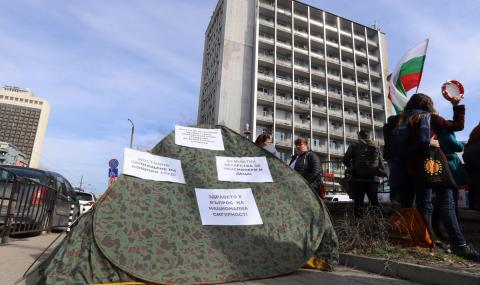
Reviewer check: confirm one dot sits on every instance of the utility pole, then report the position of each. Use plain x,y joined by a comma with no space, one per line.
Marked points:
81,181
131,135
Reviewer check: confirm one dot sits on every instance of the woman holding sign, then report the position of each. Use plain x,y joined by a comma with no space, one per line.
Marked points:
307,163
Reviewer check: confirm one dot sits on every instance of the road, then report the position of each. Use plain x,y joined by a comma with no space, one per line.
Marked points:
18,254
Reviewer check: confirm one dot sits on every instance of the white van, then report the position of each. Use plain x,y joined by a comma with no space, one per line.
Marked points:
337,197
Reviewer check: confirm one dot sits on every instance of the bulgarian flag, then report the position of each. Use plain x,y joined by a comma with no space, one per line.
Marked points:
407,75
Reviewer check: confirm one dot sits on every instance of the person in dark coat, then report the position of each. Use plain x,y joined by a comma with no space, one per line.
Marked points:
364,184
471,156
307,163
397,178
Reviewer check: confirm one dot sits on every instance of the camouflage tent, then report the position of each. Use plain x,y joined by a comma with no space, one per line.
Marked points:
152,231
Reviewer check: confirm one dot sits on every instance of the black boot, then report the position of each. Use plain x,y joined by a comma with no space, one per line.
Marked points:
466,251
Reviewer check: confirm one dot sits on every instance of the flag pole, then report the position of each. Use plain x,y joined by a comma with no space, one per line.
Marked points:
421,70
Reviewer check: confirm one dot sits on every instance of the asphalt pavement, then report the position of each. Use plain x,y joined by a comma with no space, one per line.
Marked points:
19,253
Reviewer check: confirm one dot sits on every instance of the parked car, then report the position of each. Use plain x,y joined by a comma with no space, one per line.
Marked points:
39,189
85,199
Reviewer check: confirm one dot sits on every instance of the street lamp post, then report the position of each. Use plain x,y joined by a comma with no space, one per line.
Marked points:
131,135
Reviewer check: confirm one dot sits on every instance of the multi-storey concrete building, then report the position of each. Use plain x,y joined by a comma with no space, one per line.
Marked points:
293,70
10,155
23,121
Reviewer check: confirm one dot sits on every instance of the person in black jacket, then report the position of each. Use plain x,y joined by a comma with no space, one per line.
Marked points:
471,156
364,161
307,163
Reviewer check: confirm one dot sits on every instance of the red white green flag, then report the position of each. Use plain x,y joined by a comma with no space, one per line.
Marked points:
407,75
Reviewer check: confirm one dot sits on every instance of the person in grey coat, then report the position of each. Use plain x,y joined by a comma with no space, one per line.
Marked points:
265,141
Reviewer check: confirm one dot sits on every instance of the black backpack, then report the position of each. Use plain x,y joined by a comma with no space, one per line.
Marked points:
366,160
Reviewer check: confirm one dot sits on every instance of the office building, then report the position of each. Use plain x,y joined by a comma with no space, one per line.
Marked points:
293,70
23,121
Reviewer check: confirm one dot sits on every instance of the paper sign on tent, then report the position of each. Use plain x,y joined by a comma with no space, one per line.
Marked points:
152,167
199,138
243,169
228,207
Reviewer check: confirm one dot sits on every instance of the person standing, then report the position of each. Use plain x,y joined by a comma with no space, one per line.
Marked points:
412,138
471,156
364,161
450,146
265,141
307,163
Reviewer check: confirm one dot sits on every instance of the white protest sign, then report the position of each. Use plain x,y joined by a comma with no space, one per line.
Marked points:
199,138
243,169
227,207
153,167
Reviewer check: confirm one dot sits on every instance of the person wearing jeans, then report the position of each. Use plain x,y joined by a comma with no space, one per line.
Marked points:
445,209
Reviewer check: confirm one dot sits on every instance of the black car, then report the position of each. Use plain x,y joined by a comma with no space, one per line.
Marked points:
34,193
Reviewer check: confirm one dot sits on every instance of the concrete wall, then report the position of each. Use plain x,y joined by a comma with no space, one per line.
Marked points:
236,94
386,70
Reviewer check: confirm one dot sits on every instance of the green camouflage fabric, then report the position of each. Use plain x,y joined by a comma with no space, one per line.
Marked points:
152,231
77,260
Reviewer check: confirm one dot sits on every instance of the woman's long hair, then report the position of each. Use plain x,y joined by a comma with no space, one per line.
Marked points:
262,139
418,101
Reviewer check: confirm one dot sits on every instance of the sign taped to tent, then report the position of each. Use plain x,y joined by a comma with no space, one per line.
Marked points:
243,169
199,138
152,167
228,207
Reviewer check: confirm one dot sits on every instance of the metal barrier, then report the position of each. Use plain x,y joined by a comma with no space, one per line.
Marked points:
26,206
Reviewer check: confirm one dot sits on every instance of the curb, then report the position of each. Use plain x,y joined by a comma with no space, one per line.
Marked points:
412,272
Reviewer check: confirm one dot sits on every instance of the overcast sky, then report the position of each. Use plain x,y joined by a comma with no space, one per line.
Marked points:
99,63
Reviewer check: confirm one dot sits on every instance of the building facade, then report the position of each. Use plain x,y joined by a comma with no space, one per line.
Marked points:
10,155
23,121
293,70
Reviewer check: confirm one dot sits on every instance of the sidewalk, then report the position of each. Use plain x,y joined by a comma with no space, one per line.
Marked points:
18,254
408,271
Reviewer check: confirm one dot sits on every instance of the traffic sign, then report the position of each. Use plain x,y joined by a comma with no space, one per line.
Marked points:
113,172
113,163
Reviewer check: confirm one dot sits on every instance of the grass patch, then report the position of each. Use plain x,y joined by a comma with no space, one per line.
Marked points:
368,236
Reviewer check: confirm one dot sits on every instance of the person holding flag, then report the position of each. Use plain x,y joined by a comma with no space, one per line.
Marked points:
406,76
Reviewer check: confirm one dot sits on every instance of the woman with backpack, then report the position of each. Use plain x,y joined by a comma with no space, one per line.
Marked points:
411,136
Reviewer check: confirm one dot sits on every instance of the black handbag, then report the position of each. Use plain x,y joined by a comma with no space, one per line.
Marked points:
436,172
